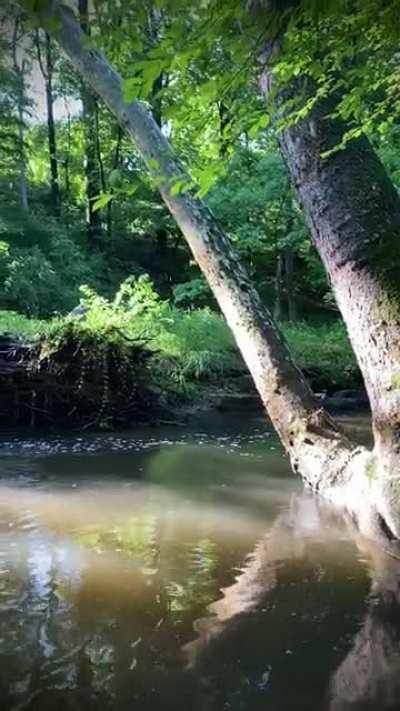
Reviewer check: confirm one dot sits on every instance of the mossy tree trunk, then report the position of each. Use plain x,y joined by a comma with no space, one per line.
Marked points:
353,212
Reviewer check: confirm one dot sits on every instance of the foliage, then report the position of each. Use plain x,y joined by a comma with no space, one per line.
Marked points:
324,350
186,345
189,294
41,265
197,66
13,322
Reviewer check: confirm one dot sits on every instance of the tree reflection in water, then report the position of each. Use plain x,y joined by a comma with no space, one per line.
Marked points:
246,654
100,592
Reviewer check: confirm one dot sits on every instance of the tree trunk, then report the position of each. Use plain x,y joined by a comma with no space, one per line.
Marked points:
316,448
55,188
289,284
23,182
102,173
21,100
284,276
278,310
92,168
67,160
353,212
154,23
115,166
47,72
325,458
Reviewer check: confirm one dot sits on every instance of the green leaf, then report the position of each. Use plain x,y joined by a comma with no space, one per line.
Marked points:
261,123
102,201
153,164
131,89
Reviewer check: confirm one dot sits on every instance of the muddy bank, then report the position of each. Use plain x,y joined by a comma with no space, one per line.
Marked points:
100,385
91,384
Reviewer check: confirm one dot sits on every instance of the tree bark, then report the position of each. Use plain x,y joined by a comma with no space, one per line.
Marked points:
102,173
317,449
353,212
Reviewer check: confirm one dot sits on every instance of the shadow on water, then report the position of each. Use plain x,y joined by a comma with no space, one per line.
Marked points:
188,573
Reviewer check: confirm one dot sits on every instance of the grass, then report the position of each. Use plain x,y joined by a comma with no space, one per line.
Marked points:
24,326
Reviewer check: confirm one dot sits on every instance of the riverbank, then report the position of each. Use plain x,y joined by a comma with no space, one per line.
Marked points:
136,358
93,384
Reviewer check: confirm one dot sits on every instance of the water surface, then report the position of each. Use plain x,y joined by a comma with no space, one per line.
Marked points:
170,570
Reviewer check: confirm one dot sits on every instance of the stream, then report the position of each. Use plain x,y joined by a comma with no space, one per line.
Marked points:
179,570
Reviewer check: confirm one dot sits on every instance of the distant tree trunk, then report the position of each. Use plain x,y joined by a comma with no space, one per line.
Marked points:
224,121
278,306
284,291
103,181
115,166
20,102
325,458
289,284
92,171
67,159
154,20
55,188
48,72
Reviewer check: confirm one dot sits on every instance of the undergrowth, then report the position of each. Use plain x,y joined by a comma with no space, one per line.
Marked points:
186,346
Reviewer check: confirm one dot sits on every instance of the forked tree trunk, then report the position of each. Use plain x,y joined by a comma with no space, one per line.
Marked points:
323,456
316,448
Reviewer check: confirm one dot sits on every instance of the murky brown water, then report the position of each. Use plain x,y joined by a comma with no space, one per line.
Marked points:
161,571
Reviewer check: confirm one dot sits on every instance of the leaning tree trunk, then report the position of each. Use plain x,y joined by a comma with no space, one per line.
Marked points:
317,449
353,212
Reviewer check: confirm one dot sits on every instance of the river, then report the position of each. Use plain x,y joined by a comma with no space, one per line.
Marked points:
185,570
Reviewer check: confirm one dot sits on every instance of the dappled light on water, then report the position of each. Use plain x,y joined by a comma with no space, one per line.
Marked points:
193,573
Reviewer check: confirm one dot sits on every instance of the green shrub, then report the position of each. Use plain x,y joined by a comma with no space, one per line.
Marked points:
324,348
187,345
41,264
193,293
